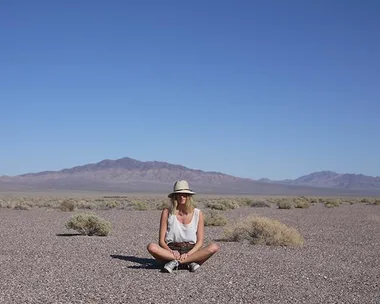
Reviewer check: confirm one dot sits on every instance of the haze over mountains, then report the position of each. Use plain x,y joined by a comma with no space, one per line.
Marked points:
130,175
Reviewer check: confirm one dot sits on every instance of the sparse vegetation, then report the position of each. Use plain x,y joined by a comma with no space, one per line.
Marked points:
332,203
140,205
244,201
21,206
151,202
67,205
365,201
161,205
262,230
215,218
285,204
259,204
112,204
222,204
216,206
89,224
301,202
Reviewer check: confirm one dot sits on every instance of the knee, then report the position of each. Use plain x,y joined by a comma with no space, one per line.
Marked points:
213,248
152,248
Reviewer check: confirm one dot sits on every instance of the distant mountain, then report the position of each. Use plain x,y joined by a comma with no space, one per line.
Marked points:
131,175
330,179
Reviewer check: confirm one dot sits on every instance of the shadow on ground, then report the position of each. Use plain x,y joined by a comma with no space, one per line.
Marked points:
144,263
68,234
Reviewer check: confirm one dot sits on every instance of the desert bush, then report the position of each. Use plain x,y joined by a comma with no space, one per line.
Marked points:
67,205
215,218
259,204
284,204
5,204
370,201
162,205
232,204
141,206
111,204
332,203
222,204
89,224
301,202
245,201
216,206
313,201
21,206
86,204
352,201
365,201
47,203
261,230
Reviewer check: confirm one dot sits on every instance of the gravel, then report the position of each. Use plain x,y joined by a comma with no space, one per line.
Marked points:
40,262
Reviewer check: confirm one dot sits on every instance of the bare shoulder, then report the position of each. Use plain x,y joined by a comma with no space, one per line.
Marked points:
165,212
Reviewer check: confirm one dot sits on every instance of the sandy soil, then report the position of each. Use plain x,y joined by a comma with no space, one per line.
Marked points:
40,262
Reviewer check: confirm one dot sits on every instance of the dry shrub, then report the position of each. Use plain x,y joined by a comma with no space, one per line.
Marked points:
222,204
259,204
6,204
86,204
215,218
89,224
285,204
244,201
377,202
352,201
216,206
301,202
332,203
110,205
140,205
22,206
162,205
67,205
365,201
265,231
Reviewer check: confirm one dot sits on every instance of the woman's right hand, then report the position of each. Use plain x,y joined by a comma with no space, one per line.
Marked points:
175,254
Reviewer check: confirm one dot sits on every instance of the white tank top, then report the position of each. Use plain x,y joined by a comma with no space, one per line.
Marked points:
178,232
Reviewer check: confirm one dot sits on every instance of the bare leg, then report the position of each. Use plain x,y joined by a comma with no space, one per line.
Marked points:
201,255
160,253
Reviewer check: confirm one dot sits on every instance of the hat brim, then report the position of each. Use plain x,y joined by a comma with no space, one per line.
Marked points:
182,191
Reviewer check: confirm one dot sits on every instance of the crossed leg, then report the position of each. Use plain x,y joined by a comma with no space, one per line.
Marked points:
199,256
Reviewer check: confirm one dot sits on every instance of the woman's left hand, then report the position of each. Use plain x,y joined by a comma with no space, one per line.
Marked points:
183,256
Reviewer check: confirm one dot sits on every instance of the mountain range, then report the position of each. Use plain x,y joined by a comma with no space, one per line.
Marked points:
330,179
131,175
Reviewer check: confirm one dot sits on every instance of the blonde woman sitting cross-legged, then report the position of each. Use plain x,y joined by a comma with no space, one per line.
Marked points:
181,234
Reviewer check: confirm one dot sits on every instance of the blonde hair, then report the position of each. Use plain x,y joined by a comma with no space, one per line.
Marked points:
189,205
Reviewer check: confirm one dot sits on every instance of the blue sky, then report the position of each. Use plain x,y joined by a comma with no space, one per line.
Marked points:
256,89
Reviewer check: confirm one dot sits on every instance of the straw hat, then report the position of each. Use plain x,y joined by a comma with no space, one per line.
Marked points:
181,187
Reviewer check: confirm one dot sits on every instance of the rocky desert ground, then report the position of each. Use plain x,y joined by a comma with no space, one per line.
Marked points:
43,262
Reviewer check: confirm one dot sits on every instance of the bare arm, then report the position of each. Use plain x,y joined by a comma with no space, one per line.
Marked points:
200,234
163,229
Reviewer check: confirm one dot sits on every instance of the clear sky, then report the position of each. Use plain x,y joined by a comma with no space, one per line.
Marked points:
255,89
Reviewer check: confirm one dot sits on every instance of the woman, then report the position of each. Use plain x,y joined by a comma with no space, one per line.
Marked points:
181,233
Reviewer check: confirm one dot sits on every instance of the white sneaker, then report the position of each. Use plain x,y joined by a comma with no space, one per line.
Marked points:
193,266
169,267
